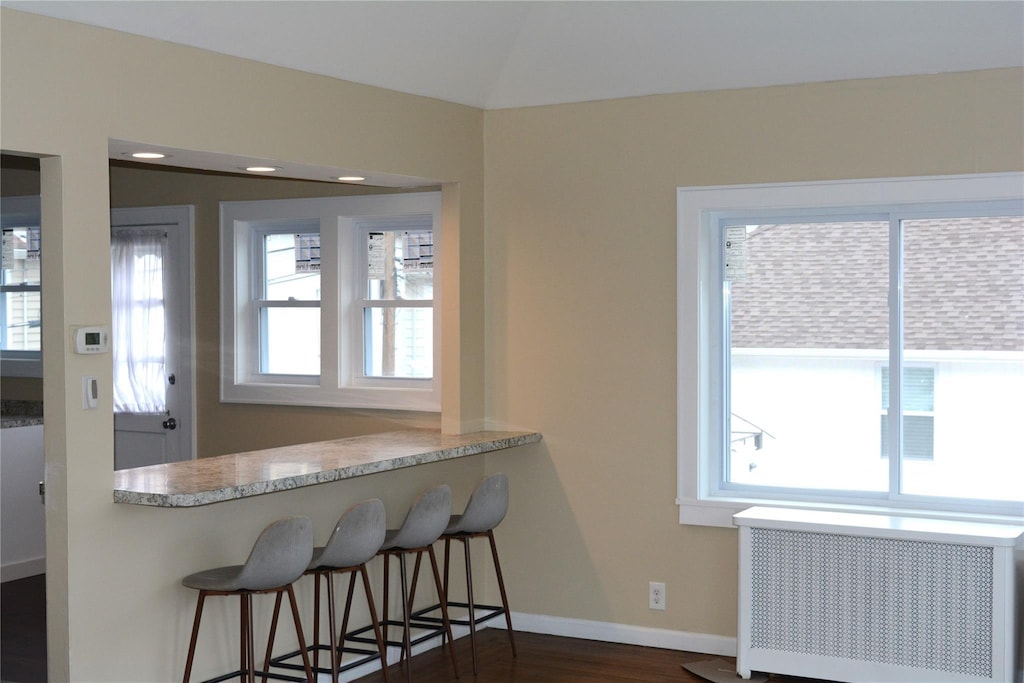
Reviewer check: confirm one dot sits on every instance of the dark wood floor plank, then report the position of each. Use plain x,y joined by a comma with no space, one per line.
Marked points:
551,659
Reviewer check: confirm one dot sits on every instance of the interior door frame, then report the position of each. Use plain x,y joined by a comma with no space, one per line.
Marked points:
181,219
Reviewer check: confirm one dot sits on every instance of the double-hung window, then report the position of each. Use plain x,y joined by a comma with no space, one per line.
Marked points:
857,344
331,301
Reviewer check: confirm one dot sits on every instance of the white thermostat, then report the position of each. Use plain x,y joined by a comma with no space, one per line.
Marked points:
92,339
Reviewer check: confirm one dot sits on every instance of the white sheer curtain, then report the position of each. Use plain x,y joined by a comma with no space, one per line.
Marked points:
138,339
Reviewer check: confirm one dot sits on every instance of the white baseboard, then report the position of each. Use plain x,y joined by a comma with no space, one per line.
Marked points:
702,643
12,571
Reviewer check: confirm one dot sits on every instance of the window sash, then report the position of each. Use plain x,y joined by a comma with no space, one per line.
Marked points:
896,437
705,497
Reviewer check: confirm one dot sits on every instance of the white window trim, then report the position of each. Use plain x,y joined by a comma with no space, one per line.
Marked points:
340,383
700,502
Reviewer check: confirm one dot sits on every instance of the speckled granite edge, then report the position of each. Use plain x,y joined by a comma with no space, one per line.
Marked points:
14,421
163,475
19,413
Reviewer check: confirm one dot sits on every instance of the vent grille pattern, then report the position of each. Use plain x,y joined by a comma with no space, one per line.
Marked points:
909,603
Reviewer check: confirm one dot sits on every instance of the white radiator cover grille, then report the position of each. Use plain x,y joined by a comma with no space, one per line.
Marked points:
903,602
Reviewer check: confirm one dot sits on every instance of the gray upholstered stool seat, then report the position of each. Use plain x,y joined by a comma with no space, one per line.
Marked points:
485,510
356,538
424,523
278,558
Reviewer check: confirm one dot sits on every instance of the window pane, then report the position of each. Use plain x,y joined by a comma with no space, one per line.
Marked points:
20,310
21,321
399,342
809,328
291,266
21,256
290,341
400,265
964,311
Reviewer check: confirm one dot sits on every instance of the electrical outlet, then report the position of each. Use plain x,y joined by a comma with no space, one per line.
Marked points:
656,595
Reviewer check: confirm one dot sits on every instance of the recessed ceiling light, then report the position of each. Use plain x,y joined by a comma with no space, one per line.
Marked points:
261,169
148,155
351,178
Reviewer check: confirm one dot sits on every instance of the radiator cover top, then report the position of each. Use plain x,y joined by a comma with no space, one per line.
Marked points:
903,602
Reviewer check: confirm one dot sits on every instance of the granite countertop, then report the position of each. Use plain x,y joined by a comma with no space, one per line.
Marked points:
241,475
17,413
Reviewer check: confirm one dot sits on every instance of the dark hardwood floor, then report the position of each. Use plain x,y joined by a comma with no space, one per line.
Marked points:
23,630
548,658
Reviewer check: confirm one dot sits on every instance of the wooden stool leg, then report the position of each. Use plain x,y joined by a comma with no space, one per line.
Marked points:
444,608
415,578
381,645
273,633
447,546
501,587
298,631
316,620
332,624
245,629
195,634
469,602
384,607
406,644
340,642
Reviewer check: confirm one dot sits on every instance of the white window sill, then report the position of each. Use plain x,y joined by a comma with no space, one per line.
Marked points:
720,510
375,398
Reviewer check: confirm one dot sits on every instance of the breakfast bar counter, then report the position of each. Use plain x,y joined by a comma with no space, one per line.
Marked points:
241,475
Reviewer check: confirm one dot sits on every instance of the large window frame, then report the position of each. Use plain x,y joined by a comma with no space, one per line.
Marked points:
341,381
702,399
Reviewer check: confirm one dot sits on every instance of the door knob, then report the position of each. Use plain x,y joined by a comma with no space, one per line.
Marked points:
170,423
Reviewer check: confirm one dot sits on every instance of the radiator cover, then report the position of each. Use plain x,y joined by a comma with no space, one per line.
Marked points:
875,598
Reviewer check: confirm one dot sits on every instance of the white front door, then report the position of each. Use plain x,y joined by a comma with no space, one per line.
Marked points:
153,412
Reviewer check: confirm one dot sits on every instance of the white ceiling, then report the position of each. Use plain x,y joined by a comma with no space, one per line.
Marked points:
500,54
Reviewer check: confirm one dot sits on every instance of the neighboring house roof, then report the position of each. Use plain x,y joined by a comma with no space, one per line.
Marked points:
826,286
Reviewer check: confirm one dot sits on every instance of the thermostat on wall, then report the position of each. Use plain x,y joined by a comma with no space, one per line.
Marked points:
92,339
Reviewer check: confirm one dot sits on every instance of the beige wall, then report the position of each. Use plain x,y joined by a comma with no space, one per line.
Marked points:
581,306
578,313
116,610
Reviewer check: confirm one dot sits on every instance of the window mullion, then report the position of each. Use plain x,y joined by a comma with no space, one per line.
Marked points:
895,421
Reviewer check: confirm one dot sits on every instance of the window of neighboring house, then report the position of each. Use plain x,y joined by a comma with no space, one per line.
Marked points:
331,301
20,287
918,413
806,291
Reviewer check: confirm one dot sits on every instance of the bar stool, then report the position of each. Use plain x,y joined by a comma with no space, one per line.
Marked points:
356,538
423,525
278,558
486,508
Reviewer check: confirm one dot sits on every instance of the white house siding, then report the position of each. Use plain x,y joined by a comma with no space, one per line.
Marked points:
824,414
